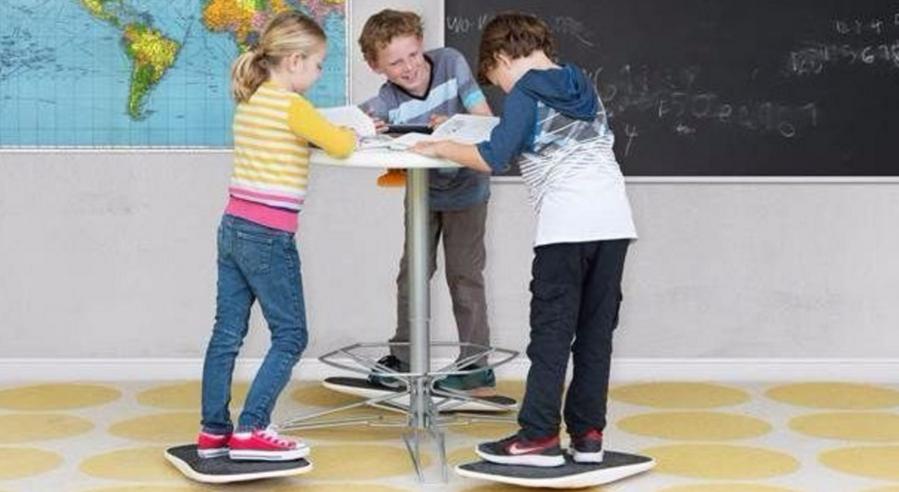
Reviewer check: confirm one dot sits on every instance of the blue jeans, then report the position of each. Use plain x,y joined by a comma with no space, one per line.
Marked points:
254,262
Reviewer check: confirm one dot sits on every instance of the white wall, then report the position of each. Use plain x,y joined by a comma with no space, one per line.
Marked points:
112,255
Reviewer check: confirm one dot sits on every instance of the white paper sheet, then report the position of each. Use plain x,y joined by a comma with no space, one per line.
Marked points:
466,128
351,117
462,128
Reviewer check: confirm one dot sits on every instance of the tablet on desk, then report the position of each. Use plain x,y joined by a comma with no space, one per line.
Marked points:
409,129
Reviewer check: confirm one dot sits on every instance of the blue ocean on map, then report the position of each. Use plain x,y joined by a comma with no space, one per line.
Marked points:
64,78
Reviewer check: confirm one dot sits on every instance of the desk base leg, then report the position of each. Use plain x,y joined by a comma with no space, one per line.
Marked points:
428,452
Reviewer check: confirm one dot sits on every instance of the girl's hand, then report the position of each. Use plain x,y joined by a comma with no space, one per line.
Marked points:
437,120
353,131
429,149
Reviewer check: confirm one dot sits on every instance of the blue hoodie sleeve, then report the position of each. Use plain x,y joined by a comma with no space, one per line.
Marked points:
513,135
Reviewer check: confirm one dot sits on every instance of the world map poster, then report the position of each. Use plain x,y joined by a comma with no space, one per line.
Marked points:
139,73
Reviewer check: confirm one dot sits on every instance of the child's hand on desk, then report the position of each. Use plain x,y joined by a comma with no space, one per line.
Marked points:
429,149
380,125
437,120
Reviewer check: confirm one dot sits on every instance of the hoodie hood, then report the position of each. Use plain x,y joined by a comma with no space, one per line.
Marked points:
565,89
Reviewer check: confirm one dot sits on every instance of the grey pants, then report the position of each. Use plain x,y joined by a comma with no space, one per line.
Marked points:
464,258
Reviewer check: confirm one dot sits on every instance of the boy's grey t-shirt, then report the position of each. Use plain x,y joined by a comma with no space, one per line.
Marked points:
452,90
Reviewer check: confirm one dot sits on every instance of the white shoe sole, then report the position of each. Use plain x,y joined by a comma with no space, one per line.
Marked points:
575,481
254,455
212,453
586,457
524,459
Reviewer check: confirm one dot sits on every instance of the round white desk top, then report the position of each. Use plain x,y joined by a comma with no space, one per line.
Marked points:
381,158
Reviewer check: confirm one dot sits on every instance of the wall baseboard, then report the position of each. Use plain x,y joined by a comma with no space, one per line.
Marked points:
623,369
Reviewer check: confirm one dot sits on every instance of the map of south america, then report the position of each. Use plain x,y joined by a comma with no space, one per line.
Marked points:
150,51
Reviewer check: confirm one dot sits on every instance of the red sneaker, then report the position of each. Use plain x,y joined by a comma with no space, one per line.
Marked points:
587,448
212,445
265,445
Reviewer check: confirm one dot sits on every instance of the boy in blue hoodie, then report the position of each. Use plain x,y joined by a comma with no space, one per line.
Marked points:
555,128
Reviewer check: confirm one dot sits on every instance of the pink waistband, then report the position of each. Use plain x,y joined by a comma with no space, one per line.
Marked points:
285,220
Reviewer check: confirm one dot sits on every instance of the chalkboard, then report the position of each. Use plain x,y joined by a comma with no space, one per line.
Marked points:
726,87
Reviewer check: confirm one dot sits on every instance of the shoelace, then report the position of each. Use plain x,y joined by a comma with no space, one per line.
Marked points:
271,435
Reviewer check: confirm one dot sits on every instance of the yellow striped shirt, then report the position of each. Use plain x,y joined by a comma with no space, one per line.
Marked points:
272,134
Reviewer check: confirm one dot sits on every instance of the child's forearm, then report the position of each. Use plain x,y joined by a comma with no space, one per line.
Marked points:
464,154
307,123
481,109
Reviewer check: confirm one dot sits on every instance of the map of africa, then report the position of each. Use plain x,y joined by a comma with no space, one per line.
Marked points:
139,73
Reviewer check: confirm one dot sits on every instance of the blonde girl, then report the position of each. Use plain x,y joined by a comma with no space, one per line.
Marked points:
258,260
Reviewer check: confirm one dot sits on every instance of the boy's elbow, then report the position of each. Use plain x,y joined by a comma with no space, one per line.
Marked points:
496,168
493,165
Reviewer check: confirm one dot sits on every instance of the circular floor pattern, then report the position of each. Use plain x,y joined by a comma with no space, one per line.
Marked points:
679,395
836,396
28,427
513,388
726,487
867,461
462,455
25,462
721,461
360,462
356,432
145,463
338,487
148,488
501,487
170,428
48,397
316,395
695,426
186,395
849,426
360,411
486,430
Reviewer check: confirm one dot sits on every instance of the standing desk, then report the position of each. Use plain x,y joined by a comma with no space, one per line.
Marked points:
422,411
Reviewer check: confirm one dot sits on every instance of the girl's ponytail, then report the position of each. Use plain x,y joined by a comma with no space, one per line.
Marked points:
286,33
248,72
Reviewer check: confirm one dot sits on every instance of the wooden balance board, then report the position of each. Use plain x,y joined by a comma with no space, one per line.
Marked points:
615,466
224,470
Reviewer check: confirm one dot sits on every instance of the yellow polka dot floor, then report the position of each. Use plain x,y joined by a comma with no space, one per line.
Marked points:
705,437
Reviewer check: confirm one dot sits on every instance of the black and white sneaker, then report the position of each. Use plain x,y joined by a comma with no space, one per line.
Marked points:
390,362
586,448
516,450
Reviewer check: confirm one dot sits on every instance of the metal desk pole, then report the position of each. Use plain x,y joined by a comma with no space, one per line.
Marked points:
419,300
422,415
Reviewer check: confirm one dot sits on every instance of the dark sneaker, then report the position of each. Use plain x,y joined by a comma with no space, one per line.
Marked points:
482,383
211,445
390,362
586,448
516,450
